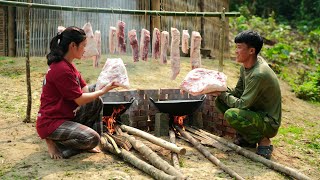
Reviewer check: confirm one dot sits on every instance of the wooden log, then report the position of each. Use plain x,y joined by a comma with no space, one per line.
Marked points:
174,156
153,139
271,164
153,158
138,163
207,154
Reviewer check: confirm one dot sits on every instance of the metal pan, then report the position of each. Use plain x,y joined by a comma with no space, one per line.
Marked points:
109,106
178,107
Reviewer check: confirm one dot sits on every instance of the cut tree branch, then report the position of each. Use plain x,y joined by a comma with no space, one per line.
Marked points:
140,164
273,165
207,154
153,139
153,158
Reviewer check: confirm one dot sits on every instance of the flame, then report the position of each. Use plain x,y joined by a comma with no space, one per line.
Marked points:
179,120
110,120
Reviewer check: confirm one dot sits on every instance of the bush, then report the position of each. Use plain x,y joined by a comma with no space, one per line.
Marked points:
310,87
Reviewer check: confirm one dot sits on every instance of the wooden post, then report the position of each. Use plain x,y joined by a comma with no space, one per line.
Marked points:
154,20
28,111
202,20
11,32
222,39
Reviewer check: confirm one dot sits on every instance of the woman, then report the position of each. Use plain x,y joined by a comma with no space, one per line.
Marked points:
69,118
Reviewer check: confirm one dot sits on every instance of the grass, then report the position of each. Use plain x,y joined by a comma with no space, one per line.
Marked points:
299,132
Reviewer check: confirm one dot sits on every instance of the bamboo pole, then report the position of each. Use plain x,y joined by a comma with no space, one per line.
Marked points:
221,52
118,10
153,139
138,163
28,111
271,164
207,154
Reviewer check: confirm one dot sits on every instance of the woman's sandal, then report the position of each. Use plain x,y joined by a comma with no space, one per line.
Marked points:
265,151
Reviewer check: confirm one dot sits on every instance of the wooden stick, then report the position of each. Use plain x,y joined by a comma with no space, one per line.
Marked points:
174,156
271,164
207,154
153,139
153,158
138,163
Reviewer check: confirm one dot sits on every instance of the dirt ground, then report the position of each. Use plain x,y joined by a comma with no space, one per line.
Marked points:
23,155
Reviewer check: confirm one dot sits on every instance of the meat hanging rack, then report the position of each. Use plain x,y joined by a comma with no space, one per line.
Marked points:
222,15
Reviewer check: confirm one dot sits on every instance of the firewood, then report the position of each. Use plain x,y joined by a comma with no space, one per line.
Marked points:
114,144
207,154
206,140
153,158
174,156
271,164
153,139
138,163
122,141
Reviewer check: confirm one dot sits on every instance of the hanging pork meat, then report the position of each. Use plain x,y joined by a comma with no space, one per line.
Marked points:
156,43
164,47
97,38
195,55
112,39
144,44
185,41
132,34
175,52
91,47
120,36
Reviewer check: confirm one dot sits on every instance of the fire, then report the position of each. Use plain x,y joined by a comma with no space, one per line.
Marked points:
110,120
179,120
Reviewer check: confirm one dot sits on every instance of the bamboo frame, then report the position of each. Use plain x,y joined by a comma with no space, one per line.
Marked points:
118,10
222,16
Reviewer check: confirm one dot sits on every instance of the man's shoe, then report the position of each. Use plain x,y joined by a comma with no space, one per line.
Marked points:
243,143
265,151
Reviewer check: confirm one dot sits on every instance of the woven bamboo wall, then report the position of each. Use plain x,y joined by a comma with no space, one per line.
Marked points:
3,31
44,22
212,24
142,112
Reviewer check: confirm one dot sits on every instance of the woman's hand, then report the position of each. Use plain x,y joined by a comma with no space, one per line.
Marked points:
109,87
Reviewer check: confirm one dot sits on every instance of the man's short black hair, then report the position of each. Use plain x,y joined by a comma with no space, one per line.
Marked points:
251,38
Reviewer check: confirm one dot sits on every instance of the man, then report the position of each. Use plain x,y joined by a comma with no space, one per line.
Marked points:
253,107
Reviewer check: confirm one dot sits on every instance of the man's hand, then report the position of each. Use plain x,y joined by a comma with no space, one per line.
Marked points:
215,93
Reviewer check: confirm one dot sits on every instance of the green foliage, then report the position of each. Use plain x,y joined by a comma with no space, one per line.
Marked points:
309,89
290,46
279,53
298,13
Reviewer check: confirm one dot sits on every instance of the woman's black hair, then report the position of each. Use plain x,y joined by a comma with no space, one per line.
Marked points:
251,39
59,44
